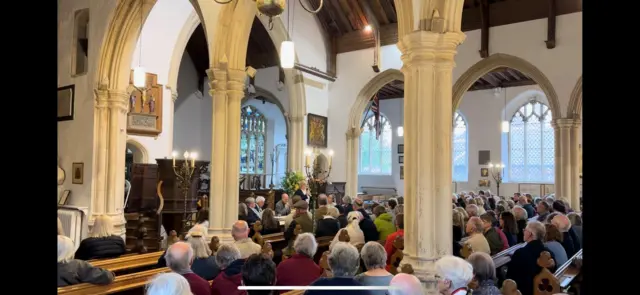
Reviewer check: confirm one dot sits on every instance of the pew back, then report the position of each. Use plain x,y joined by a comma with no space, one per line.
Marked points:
120,284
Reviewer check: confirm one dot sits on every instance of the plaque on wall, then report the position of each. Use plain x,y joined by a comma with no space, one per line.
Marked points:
145,107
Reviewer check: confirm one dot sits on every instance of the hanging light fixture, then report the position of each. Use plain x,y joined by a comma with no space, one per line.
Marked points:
505,123
287,55
139,73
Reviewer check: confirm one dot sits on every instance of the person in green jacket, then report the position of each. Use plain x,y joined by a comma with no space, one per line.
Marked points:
383,222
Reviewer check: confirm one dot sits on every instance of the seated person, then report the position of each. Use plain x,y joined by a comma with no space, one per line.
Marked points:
383,222
490,233
101,243
289,218
366,224
405,284
356,236
253,214
283,208
73,271
202,220
259,270
204,265
388,245
374,258
301,218
270,225
168,283
344,262
484,274
240,233
327,226
454,275
179,259
524,261
230,278
477,241
300,269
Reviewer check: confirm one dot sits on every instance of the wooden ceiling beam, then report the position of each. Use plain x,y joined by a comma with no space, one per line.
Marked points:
484,31
381,16
353,20
336,13
355,7
500,13
551,25
387,6
525,82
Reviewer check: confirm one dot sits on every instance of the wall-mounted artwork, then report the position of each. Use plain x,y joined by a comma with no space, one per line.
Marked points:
401,149
66,97
401,159
401,172
484,172
145,107
484,183
317,130
78,173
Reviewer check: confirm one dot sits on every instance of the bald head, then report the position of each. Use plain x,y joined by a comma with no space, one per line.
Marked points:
179,257
240,230
562,222
405,284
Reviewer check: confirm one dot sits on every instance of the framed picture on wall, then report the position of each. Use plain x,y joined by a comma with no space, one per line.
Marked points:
401,149
317,130
484,183
484,172
401,172
401,159
66,96
77,173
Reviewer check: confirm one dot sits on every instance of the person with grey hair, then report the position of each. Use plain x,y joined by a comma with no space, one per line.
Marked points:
454,274
102,241
570,241
344,262
73,271
477,240
484,273
324,209
179,258
472,210
543,210
283,208
521,221
523,266
253,213
345,207
300,269
204,265
240,234
405,284
168,284
260,203
374,258
230,278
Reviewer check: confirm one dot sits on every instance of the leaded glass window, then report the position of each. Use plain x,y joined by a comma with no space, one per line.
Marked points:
252,141
531,144
460,149
375,154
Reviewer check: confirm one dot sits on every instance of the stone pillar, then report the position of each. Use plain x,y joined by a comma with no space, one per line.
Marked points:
217,197
295,146
353,154
110,140
428,61
567,170
235,93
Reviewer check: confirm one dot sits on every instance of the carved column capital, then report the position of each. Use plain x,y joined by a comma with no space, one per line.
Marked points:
566,123
426,47
295,119
217,80
353,133
112,98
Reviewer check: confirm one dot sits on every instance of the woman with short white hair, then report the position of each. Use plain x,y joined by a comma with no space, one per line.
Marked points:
356,236
374,258
73,271
300,269
204,265
453,274
344,262
101,243
169,283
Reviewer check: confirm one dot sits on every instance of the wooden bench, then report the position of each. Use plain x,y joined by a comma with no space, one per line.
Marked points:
120,284
569,271
128,262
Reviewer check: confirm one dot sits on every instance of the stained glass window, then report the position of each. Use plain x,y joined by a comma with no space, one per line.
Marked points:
460,149
375,154
252,141
531,144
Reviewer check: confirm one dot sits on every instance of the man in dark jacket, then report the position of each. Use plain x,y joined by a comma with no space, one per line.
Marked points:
524,261
490,233
228,281
522,201
366,225
259,270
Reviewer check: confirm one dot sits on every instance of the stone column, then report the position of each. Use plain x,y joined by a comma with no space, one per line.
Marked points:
110,140
353,154
567,171
217,196
295,146
235,93
428,61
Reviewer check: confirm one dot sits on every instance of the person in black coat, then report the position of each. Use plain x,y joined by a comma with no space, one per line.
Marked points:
327,227
524,261
367,226
252,211
101,243
302,191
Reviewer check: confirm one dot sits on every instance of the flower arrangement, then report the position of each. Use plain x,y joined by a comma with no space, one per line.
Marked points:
290,181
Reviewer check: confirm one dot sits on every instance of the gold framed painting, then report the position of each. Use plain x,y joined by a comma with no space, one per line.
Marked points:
317,131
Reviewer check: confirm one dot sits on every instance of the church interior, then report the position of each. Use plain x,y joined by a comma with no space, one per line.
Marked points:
232,141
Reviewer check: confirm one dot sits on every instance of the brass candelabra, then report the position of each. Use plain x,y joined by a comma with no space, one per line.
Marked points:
317,178
184,173
497,171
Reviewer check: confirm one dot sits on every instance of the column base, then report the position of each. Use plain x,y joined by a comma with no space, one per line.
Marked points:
424,270
222,233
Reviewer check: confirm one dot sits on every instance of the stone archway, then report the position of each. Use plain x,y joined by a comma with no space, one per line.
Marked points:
355,118
499,60
140,154
575,102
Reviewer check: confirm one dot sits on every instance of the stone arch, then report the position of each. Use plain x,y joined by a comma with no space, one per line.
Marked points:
499,60
575,103
181,44
359,106
142,155
272,99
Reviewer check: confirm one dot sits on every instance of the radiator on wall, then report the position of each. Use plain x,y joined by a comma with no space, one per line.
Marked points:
74,222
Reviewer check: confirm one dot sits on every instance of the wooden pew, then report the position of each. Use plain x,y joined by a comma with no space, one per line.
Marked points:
568,272
547,283
120,284
129,261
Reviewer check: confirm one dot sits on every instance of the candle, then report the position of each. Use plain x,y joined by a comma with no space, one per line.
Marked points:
330,157
186,155
193,159
173,156
306,160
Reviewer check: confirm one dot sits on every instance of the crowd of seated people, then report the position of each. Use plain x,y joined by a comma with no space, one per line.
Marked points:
484,223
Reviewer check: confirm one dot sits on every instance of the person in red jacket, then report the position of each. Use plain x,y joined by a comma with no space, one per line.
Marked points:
230,278
388,245
300,269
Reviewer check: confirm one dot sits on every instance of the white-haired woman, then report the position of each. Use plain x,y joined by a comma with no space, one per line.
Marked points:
204,265
73,271
453,274
356,236
101,243
374,258
60,228
300,269
344,262
169,283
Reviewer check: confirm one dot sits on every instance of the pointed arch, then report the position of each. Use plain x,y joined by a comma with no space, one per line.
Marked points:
500,60
144,154
370,89
575,102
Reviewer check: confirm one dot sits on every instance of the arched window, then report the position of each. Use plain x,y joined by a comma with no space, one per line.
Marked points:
460,148
531,144
375,154
252,141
